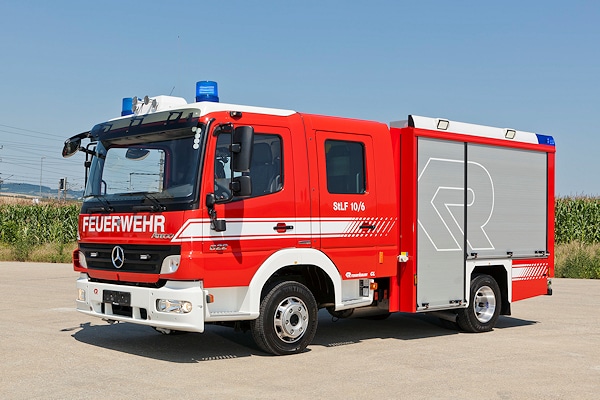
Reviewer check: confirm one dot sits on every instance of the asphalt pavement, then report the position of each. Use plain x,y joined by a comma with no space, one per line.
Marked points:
548,349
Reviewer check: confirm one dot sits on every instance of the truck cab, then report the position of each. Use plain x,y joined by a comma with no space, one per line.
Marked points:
193,213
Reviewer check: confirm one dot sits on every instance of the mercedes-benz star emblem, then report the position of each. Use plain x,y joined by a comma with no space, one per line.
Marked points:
118,256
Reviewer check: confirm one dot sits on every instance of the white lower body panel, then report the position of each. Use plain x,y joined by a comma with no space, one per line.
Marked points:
142,307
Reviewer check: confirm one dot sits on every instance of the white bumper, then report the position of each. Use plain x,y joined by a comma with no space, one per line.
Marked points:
142,308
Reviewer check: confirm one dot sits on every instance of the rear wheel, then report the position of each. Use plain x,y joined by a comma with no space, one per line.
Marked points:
287,322
484,306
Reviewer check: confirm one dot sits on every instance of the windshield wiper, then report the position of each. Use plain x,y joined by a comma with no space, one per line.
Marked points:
154,207
106,207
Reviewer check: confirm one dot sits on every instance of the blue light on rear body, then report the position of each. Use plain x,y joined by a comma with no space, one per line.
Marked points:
544,139
207,91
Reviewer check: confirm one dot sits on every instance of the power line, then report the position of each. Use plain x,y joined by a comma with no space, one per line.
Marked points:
20,157
26,130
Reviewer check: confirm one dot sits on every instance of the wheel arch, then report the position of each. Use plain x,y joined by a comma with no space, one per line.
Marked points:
502,276
310,267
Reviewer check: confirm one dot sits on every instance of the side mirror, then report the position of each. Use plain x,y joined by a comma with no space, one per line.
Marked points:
136,154
241,186
71,146
211,200
242,143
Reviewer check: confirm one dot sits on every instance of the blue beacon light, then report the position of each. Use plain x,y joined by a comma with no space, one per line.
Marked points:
544,139
207,91
127,108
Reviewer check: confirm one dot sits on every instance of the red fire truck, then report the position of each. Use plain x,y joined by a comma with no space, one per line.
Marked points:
214,213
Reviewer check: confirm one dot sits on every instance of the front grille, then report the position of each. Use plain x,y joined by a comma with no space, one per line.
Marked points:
138,258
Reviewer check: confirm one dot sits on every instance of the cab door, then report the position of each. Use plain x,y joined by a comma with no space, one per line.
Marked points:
348,222
257,225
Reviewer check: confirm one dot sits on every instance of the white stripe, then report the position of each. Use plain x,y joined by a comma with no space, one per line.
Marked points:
263,228
523,272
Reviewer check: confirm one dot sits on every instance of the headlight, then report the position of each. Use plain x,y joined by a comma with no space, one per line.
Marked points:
173,306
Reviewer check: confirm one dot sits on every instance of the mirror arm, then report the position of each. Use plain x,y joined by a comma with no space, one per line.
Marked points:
91,152
218,225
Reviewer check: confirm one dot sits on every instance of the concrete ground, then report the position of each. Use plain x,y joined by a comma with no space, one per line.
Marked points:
548,349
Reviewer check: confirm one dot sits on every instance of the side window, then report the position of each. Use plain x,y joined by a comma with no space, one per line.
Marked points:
266,167
345,163
265,170
223,167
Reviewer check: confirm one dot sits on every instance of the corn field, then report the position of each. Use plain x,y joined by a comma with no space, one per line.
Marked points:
53,228
577,237
38,224
24,228
577,220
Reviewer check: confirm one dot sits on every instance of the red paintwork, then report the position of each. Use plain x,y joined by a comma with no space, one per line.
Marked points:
391,174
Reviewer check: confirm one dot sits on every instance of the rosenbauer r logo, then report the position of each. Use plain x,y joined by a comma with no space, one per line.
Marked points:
118,256
441,214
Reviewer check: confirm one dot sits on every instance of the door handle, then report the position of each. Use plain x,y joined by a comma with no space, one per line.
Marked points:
282,227
371,227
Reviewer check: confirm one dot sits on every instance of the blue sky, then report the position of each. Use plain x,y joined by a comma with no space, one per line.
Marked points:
532,66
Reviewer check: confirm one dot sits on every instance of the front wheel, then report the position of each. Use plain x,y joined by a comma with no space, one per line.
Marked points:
287,322
484,306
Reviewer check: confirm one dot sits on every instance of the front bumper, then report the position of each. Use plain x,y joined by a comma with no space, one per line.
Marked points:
141,307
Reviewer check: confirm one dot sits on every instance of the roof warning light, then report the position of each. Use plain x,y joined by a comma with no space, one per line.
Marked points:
127,108
207,91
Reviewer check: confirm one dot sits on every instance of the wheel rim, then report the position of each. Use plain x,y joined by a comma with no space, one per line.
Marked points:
484,304
291,319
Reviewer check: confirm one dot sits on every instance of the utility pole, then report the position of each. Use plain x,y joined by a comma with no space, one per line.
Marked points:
62,187
1,180
41,169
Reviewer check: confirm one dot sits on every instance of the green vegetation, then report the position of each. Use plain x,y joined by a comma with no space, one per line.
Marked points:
577,260
48,233
45,232
577,220
577,237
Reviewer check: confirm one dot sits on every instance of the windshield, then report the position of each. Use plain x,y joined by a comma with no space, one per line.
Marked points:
159,171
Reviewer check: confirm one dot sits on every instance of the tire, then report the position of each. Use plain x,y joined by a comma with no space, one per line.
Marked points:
484,306
287,322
